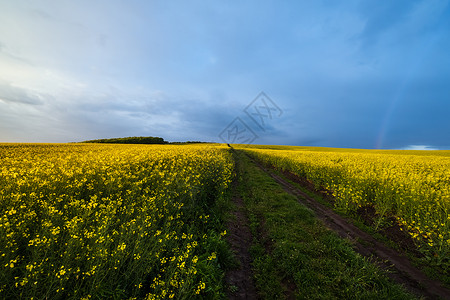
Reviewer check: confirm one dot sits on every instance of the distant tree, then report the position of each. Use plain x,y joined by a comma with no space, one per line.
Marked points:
131,140
188,142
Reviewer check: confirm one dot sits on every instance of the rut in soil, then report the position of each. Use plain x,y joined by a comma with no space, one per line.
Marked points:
240,279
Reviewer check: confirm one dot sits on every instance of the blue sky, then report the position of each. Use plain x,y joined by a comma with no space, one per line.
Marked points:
363,74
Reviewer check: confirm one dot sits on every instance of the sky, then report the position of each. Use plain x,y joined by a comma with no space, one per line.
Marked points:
355,74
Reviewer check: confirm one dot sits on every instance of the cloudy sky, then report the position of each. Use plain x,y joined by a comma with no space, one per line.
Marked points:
364,74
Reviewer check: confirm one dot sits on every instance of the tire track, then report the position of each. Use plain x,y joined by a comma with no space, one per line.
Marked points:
240,279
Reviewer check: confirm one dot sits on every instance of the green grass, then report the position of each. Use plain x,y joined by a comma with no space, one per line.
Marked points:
294,253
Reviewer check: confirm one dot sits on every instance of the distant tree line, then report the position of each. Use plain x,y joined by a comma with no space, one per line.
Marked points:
188,142
131,140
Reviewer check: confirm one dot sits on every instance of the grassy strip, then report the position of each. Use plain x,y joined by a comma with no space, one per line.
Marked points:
295,254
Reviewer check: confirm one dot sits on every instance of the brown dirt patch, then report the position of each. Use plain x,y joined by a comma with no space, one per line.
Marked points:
240,279
289,289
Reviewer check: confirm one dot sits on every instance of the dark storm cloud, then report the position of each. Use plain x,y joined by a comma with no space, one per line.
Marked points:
346,74
12,94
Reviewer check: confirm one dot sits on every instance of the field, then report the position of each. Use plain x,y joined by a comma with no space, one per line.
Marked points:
410,188
108,221
95,221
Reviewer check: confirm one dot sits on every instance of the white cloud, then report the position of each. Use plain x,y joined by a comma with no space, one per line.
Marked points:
419,147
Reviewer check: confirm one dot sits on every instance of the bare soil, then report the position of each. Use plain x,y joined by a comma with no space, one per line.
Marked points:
398,266
240,280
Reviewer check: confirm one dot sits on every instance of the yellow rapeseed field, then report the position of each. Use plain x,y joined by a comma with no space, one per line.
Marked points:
413,187
109,221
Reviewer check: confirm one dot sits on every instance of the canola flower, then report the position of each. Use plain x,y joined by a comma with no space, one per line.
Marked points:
414,189
81,221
